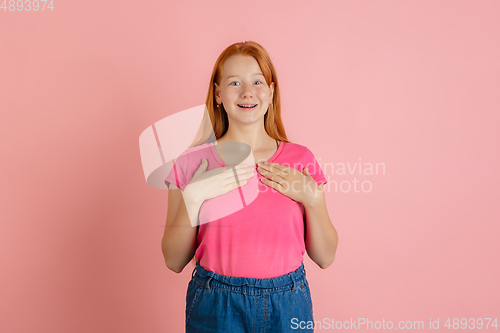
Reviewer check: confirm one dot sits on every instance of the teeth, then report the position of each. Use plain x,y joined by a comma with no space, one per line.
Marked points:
247,106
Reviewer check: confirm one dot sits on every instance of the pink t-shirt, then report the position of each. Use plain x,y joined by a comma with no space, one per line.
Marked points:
265,238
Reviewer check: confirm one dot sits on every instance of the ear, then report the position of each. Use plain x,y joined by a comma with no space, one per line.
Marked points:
216,92
272,89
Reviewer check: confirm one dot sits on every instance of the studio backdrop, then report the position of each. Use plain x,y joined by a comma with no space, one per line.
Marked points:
398,100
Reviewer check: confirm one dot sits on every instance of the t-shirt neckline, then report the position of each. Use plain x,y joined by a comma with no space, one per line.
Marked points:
219,160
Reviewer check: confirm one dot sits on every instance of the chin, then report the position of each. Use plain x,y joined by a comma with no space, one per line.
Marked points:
246,117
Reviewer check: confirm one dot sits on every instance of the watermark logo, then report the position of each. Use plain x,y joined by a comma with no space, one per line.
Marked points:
351,177
218,179
27,5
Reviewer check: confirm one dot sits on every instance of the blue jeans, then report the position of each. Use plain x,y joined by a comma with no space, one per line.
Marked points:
219,303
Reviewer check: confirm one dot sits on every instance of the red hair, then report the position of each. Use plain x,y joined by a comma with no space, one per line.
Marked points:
218,117
218,121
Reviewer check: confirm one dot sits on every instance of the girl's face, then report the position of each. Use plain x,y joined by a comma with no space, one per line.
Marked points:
243,83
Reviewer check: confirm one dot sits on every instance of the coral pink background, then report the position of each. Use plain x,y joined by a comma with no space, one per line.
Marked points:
411,84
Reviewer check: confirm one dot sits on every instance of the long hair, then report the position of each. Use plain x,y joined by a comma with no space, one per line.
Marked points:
218,121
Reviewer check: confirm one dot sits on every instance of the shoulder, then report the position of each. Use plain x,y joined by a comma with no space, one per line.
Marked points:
185,165
192,155
308,160
195,149
298,149
296,155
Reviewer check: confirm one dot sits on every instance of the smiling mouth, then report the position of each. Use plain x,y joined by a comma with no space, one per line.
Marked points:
247,106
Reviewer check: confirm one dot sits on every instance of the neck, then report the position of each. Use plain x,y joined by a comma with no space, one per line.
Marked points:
256,138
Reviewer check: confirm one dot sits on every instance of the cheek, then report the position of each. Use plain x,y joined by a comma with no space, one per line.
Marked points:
231,95
263,95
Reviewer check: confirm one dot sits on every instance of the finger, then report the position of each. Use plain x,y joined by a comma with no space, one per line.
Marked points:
271,175
272,184
306,172
236,179
228,168
276,166
201,169
203,165
244,176
241,166
238,167
237,184
240,173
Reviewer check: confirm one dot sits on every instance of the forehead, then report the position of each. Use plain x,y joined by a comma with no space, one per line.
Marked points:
240,65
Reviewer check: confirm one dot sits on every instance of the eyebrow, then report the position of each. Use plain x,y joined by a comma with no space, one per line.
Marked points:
252,74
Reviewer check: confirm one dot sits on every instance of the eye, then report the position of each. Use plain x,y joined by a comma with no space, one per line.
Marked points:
231,84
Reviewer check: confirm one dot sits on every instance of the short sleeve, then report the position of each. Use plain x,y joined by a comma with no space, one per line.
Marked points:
176,177
314,168
185,166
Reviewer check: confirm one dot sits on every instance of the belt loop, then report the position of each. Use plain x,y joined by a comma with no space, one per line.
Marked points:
208,283
193,273
293,286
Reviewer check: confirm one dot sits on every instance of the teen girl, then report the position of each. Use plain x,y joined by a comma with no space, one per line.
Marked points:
248,272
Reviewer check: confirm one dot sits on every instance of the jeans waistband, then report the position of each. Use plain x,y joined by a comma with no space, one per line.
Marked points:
203,277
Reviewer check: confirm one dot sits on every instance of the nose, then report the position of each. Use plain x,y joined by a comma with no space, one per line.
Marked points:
247,90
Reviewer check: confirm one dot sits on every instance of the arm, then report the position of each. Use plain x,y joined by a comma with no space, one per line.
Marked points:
179,239
321,238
